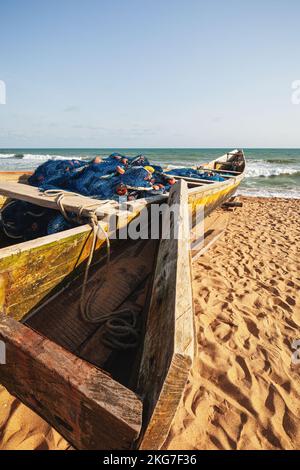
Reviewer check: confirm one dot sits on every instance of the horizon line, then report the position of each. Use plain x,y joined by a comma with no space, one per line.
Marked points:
150,148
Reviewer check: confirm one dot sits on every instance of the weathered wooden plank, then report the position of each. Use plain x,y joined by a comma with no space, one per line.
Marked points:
72,203
214,227
127,270
84,404
28,271
193,180
210,240
212,197
222,171
169,340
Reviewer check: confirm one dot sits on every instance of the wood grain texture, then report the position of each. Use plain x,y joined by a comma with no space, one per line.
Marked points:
30,270
31,194
84,404
169,341
212,198
214,227
128,268
72,202
15,177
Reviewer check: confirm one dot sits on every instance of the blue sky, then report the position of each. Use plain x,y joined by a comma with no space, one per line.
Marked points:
149,73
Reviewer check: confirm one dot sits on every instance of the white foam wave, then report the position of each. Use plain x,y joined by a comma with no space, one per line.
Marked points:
268,192
260,168
38,157
7,155
29,156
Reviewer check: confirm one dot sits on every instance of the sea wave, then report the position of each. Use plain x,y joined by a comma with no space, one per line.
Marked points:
29,156
284,193
39,157
285,161
7,155
265,169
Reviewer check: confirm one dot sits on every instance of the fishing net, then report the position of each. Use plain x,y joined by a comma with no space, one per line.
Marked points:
53,168
58,224
22,221
108,178
191,173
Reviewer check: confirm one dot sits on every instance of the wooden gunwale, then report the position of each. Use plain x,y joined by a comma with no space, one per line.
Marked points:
215,186
220,171
164,371
43,241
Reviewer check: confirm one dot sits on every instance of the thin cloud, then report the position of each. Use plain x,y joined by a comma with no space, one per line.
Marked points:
72,109
217,119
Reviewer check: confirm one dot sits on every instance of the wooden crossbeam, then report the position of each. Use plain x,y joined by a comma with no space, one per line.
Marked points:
220,171
71,203
192,180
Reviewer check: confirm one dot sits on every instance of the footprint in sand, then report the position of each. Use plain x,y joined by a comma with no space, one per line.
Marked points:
252,328
291,301
280,303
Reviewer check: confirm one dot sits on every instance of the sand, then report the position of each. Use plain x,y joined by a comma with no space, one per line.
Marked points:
244,390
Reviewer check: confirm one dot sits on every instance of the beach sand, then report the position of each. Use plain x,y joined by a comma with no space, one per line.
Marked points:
244,390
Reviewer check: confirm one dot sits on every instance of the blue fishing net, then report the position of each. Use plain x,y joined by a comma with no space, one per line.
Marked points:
22,221
58,224
191,173
137,177
140,160
109,178
82,180
54,168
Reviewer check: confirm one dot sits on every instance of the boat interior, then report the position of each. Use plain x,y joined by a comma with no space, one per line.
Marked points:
119,291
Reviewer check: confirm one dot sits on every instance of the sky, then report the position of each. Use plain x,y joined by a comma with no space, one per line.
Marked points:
149,73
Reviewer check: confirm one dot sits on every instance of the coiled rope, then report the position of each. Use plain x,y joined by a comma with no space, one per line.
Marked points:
119,327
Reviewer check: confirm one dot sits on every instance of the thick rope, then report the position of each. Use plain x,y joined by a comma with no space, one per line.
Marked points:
120,330
83,301
61,195
120,327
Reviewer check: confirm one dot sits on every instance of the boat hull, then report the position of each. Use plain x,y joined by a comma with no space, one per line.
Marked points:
87,406
30,271
90,408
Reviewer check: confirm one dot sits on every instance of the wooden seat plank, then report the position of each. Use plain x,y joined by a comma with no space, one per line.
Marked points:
220,171
71,202
194,180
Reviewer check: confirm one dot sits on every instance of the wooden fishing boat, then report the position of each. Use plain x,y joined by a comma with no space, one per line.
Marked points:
29,271
69,366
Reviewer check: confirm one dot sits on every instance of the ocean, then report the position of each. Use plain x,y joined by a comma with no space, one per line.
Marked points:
270,172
